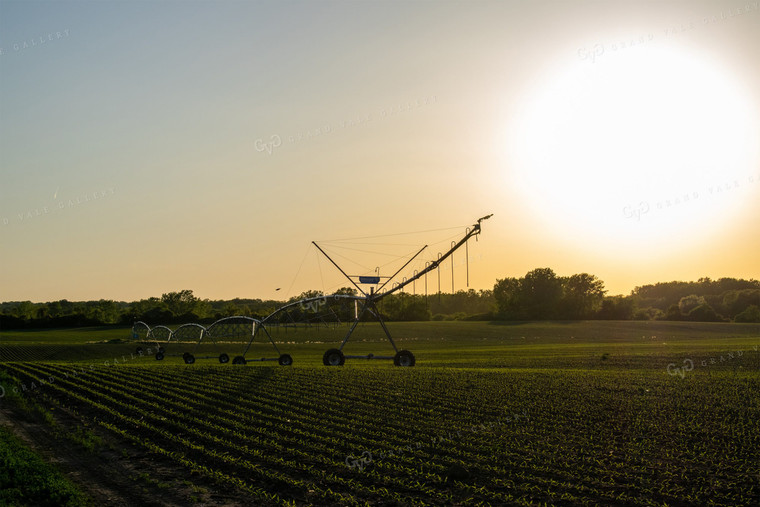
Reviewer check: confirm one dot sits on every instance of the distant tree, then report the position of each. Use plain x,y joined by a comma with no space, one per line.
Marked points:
201,310
405,307
103,311
673,313
725,284
507,294
158,315
463,301
688,303
24,310
231,310
180,303
750,314
736,301
42,313
649,313
663,294
616,308
305,295
138,309
582,296
346,291
541,292
716,301
704,313
11,322
55,308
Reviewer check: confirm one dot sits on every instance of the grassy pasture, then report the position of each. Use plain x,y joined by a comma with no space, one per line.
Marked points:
575,345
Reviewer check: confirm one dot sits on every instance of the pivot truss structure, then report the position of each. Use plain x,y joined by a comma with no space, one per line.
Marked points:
322,310
369,300
231,329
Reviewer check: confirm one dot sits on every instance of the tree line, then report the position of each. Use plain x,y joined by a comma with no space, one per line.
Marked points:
539,295
542,295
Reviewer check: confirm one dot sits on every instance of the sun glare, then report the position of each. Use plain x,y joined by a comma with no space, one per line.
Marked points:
637,146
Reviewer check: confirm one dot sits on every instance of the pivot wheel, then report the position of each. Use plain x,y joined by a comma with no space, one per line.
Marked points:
189,358
138,350
224,358
239,360
333,357
404,358
285,360
159,356
162,350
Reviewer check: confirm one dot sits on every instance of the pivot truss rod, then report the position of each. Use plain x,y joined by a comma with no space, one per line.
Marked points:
434,264
378,295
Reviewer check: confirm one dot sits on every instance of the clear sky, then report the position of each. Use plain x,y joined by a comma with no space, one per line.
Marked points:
148,147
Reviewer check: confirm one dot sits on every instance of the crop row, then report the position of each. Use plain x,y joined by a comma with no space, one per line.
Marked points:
284,435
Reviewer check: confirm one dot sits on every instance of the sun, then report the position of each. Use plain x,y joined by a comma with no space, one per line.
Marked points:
640,145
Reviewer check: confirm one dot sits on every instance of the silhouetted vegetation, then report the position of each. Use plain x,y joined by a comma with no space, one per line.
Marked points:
542,295
539,295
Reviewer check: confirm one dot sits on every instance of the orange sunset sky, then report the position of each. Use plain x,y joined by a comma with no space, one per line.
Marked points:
148,147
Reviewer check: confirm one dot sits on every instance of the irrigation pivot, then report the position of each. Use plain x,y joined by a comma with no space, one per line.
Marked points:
143,334
327,310
232,329
369,300
242,328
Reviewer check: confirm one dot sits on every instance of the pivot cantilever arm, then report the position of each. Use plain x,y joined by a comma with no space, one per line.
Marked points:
434,264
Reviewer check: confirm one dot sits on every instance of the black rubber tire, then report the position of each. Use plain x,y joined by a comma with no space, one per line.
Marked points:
333,357
189,358
285,360
159,356
138,350
162,350
224,358
239,360
404,358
